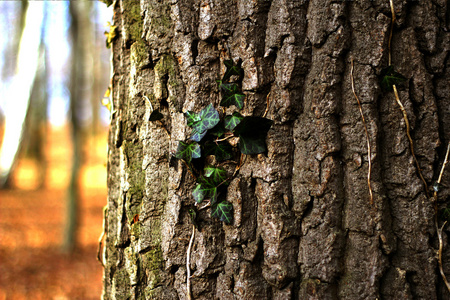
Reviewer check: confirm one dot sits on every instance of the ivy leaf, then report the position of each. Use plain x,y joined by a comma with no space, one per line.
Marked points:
231,70
199,193
187,151
252,132
229,88
213,195
252,145
193,215
233,99
209,117
232,95
217,175
389,77
232,121
223,210
218,130
192,117
156,115
445,213
197,137
222,151
205,189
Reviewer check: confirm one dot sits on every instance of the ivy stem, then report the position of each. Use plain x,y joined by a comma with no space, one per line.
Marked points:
241,163
369,150
439,230
441,269
188,264
267,105
224,139
411,144
442,169
189,169
392,28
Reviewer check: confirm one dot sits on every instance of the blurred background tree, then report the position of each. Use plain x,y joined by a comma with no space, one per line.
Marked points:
55,70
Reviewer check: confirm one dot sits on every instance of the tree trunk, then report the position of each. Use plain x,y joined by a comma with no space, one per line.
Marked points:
79,99
19,90
305,223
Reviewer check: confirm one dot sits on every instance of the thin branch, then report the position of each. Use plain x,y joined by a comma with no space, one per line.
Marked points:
188,264
369,150
411,144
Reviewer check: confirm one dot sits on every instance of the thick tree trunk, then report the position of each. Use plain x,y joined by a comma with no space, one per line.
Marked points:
305,225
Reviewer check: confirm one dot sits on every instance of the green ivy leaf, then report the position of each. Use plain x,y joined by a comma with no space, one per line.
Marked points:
205,189
389,77
217,175
233,99
252,132
445,214
229,88
199,193
231,70
187,151
232,95
156,115
192,117
209,117
223,210
232,121
218,130
193,215
222,151
252,145
197,137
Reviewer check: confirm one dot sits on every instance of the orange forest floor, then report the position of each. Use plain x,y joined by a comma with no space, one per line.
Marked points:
32,221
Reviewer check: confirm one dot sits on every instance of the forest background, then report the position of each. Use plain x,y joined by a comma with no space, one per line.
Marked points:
54,188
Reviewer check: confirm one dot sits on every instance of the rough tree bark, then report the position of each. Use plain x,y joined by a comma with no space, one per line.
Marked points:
304,226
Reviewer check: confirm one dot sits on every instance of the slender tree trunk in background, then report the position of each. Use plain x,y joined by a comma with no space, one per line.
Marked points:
304,226
98,76
19,91
36,127
11,53
79,13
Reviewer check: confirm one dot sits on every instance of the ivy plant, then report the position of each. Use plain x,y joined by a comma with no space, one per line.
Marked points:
211,139
389,78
